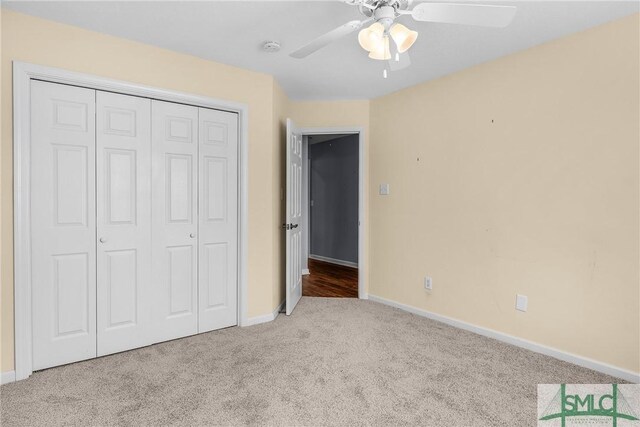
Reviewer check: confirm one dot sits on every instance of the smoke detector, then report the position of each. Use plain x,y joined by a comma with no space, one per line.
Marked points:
271,46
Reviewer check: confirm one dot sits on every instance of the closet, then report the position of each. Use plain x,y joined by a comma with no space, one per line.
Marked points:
134,229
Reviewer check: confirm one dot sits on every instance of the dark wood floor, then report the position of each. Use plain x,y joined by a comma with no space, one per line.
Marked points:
330,280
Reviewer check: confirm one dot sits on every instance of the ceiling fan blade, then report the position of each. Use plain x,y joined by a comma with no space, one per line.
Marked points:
466,14
327,38
404,60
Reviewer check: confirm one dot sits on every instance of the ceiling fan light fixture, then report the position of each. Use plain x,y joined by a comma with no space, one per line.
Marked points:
381,51
371,37
403,37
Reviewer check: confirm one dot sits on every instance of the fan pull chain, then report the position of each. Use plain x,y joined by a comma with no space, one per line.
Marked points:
388,54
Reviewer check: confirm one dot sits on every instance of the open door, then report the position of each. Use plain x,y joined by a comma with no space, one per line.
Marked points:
293,216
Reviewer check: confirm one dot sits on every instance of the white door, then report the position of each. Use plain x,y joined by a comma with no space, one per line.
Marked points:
63,224
123,173
174,148
218,220
293,217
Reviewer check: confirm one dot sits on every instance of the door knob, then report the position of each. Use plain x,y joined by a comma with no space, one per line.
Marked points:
192,235
103,240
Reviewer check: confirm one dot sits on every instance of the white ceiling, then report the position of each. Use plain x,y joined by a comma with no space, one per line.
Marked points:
232,32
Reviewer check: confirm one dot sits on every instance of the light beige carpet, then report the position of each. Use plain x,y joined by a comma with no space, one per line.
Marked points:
333,362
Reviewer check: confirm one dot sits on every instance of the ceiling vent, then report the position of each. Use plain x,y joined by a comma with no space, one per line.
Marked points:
271,46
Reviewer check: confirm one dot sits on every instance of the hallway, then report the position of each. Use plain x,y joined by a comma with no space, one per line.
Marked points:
330,280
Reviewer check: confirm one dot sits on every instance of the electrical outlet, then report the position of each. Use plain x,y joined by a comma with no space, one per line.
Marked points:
521,302
428,283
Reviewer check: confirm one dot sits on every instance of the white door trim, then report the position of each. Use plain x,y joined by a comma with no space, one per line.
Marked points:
23,73
363,200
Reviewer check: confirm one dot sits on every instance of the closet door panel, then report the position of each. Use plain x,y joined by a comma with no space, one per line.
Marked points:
218,228
124,221
63,260
175,249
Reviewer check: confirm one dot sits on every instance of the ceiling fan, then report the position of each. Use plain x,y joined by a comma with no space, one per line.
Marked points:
376,38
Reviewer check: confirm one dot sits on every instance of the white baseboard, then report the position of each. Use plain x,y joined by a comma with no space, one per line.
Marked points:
265,317
305,272
334,261
8,377
614,371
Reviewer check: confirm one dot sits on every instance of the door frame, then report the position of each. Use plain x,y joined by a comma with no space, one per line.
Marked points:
363,230
23,73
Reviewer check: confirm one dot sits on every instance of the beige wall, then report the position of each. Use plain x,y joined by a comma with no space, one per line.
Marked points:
527,182
330,113
38,41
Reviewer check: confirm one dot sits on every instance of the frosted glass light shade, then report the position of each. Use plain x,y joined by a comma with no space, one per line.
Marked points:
381,51
371,37
403,37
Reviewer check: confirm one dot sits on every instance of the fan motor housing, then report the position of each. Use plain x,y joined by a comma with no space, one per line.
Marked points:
369,12
385,16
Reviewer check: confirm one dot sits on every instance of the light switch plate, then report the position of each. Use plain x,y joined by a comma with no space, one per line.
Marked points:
521,302
384,189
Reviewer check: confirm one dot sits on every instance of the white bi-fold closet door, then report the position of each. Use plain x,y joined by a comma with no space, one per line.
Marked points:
123,186
63,224
194,229
133,224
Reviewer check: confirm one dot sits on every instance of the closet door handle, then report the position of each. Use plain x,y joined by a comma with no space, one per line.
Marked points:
192,235
103,240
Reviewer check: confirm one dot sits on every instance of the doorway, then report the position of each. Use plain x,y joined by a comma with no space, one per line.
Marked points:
330,215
